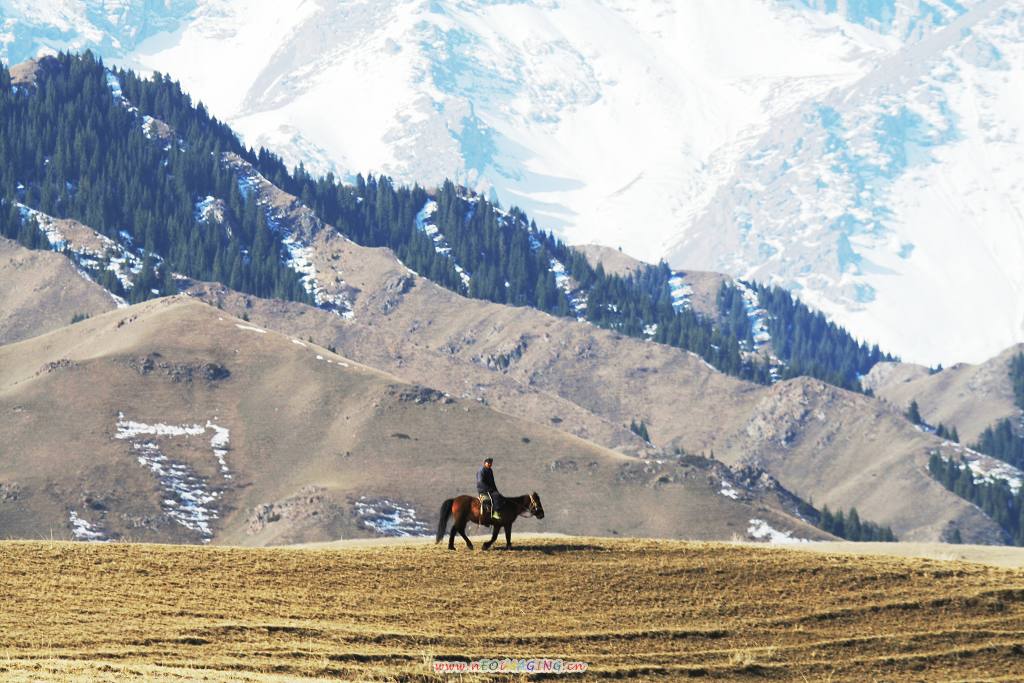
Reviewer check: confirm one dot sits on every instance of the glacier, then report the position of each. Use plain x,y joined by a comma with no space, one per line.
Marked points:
863,153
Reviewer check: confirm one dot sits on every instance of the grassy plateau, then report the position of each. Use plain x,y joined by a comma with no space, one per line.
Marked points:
632,609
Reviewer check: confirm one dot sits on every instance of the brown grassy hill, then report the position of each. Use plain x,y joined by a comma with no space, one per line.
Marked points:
838,448
969,397
172,421
41,291
632,610
592,382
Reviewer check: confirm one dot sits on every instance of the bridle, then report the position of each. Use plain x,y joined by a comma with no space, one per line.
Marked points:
533,505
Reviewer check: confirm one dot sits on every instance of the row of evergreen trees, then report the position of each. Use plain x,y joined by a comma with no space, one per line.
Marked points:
77,152
851,527
995,498
510,261
71,150
804,339
1001,441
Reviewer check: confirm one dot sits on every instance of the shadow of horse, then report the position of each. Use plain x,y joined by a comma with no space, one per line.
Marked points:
559,548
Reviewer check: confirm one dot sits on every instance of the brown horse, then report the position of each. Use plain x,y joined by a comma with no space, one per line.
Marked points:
466,509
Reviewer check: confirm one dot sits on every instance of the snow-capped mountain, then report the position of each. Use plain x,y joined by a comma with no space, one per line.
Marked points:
844,148
895,204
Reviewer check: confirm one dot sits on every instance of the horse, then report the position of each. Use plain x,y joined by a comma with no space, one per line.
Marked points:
465,509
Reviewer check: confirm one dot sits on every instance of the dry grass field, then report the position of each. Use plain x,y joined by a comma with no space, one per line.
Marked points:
631,609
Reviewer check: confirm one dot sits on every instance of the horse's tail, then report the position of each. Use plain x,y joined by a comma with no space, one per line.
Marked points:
446,512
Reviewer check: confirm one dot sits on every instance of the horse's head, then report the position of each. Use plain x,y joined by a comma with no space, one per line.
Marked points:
535,507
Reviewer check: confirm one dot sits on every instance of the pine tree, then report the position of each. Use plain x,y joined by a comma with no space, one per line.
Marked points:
839,525
914,413
827,521
853,529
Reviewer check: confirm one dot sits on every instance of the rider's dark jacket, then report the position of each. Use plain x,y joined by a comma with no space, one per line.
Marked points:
485,481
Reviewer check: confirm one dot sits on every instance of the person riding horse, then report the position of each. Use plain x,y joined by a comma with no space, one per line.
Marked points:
485,484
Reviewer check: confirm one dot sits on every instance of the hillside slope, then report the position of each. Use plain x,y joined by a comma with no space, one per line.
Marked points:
836,447
41,292
172,421
968,397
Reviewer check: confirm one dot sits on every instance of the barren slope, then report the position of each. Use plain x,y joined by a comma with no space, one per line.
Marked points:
969,397
171,420
41,291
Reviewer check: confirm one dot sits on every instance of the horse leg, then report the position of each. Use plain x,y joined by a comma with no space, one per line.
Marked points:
462,532
508,536
494,537
451,538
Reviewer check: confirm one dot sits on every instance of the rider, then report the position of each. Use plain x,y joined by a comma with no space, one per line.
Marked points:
485,484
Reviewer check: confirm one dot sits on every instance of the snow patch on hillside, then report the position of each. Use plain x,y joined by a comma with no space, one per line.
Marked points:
757,315
114,83
210,209
300,251
188,499
576,297
91,252
82,530
760,530
728,491
220,442
388,518
985,467
426,225
681,292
